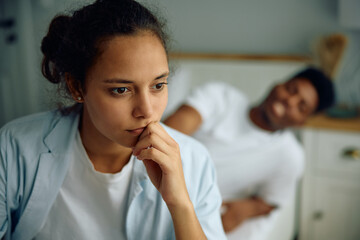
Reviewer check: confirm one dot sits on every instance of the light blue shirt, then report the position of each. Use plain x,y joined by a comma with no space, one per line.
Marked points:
34,162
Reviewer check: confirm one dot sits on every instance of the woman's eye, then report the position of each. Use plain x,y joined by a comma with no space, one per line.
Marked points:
159,86
120,90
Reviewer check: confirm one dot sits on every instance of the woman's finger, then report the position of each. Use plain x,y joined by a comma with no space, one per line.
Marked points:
154,171
151,141
156,136
155,127
156,156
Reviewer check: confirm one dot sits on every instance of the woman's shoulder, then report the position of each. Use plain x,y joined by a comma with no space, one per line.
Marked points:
192,151
185,141
29,123
31,127
198,167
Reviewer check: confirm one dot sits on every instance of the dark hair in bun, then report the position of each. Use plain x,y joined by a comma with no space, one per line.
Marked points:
73,42
50,46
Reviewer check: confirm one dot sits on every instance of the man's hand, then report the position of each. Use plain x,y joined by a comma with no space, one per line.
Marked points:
236,212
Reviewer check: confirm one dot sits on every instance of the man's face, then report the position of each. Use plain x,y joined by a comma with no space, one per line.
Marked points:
290,103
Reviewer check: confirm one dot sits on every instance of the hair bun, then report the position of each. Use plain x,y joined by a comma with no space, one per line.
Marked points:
57,31
52,42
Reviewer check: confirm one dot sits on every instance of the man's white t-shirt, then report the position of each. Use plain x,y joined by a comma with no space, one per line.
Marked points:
248,160
92,201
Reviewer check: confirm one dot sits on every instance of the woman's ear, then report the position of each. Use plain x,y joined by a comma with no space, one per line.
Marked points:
74,88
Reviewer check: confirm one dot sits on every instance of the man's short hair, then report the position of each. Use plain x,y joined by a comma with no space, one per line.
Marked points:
323,86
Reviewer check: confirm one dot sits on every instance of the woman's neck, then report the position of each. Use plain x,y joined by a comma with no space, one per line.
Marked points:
106,155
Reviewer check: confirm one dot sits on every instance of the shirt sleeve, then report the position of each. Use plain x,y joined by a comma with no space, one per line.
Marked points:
208,203
3,206
210,101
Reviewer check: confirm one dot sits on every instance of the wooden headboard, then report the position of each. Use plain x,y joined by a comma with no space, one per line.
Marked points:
253,74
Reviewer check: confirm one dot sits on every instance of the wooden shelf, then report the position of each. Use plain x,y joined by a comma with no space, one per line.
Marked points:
325,122
240,57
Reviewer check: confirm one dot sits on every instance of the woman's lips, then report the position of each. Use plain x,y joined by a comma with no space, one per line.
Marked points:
137,131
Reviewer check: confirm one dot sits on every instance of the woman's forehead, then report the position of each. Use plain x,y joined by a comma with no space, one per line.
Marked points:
131,58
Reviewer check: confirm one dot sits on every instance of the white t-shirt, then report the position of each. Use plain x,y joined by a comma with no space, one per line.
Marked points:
92,201
248,160
243,153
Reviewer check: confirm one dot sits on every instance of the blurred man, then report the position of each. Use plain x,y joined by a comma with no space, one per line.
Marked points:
258,162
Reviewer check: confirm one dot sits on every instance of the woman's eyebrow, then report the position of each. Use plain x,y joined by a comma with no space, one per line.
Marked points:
165,74
116,80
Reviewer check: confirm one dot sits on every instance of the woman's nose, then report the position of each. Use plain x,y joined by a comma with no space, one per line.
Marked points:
143,107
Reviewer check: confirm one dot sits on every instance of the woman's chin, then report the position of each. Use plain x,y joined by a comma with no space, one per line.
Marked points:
130,143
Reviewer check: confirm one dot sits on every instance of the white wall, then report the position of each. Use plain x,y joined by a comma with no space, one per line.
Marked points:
250,26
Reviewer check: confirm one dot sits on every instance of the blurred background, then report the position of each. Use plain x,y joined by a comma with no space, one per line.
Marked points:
286,27
291,28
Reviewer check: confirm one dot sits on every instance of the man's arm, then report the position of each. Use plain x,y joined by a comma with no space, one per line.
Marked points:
236,212
186,120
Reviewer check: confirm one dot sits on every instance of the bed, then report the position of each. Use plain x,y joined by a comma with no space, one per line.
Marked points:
254,75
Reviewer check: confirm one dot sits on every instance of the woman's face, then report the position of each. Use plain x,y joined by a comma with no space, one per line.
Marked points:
125,88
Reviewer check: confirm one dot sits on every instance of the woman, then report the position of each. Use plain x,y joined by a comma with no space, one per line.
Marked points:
106,168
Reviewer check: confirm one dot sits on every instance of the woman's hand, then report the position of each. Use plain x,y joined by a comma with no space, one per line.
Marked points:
161,156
